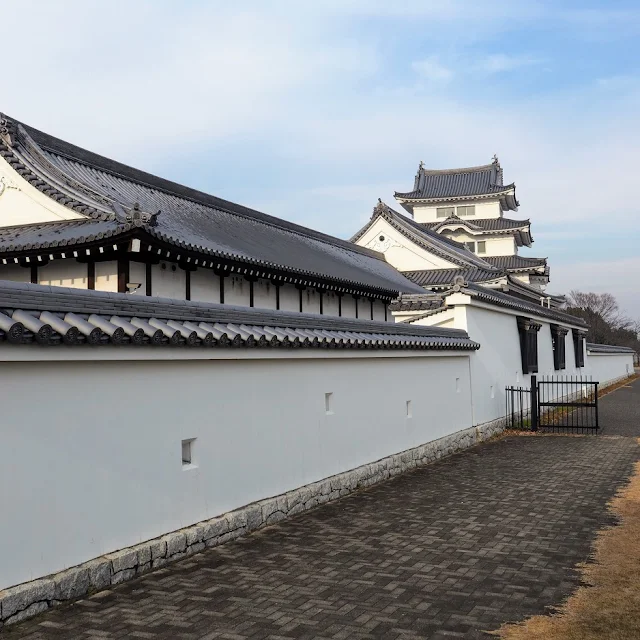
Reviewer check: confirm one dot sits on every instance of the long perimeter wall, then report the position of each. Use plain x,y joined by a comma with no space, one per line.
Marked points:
92,461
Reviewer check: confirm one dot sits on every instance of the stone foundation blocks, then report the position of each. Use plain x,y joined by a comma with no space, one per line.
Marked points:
20,602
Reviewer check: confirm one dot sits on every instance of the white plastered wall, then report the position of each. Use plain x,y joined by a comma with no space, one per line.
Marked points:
497,245
67,272
399,251
22,203
107,276
289,298
15,273
609,366
498,363
236,291
89,475
264,294
484,209
205,286
168,280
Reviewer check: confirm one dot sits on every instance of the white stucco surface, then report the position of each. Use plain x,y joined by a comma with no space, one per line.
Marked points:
64,273
609,366
484,209
498,363
399,251
22,203
107,275
15,273
88,474
205,286
168,281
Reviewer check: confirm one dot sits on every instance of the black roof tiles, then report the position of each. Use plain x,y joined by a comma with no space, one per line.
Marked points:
106,190
444,277
35,314
515,263
484,180
485,224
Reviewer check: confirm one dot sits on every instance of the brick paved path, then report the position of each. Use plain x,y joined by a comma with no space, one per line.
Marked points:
620,411
483,537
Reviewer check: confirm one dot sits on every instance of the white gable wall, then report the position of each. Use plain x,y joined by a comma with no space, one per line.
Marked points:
22,203
399,251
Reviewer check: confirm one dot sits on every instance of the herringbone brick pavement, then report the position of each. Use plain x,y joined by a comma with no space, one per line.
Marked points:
483,537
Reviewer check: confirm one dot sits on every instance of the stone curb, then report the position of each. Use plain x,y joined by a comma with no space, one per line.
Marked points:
30,598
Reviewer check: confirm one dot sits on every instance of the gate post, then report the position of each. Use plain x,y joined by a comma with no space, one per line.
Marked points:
534,403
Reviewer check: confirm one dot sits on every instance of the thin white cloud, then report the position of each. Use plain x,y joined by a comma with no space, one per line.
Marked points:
328,99
500,62
432,69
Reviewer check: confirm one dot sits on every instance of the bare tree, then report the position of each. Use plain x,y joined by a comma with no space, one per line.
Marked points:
607,324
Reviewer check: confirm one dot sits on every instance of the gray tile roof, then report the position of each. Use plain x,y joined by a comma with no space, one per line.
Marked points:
515,263
443,277
47,235
520,229
484,224
105,190
432,303
433,242
501,299
608,348
42,315
418,302
460,183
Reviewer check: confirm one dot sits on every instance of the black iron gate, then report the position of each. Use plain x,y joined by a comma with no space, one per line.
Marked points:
562,404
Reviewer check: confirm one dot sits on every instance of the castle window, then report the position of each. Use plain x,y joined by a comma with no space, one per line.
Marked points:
557,340
467,210
578,348
482,246
471,246
445,212
528,330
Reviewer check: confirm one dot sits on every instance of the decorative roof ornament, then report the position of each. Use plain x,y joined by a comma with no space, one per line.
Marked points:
8,130
495,159
136,216
458,283
379,209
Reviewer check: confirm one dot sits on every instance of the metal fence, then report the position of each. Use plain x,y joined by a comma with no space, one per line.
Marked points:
563,404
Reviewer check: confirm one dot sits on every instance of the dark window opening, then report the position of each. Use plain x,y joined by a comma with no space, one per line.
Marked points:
528,330
578,348
558,342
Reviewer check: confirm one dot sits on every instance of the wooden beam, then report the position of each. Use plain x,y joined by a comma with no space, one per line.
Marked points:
187,283
34,274
123,273
251,293
147,271
91,275
277,286
221,288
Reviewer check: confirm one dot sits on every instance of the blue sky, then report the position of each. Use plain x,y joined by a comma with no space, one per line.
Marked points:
311,110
